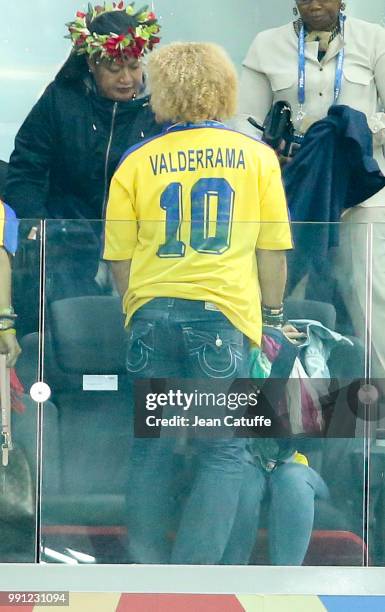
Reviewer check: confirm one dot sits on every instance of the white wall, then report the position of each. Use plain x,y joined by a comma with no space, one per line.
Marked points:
32,43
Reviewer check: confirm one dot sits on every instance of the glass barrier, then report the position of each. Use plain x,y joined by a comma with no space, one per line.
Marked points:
20,460
93,479
154,462
83,516
375,408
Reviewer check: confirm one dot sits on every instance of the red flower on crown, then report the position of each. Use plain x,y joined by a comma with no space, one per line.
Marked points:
112,45
140,42
154,40
82,38
136,49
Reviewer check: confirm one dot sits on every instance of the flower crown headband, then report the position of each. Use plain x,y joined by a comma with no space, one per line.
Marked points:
140,38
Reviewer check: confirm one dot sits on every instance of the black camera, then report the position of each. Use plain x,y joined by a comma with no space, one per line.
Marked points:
278,129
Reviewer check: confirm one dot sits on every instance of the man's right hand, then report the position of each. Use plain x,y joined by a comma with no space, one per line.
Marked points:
283,160
292,334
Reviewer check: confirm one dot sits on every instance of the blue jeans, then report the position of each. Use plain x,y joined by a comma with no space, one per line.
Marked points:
179,338
292,488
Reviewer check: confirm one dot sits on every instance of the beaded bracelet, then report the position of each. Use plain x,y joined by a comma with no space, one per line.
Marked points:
8,313
6,322
11,330
272,316
7,318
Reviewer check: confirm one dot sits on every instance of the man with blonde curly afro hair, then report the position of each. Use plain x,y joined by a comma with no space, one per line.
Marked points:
192,82
196,230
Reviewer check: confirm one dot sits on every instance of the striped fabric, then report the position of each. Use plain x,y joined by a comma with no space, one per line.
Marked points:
128,602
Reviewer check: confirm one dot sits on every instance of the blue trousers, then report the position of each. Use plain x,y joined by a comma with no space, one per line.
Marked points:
292,488
174,338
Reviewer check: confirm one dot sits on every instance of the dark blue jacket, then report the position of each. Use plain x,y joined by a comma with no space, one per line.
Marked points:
333,170
68,148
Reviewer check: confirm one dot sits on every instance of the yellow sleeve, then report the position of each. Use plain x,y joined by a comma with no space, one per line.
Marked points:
275,231
120,231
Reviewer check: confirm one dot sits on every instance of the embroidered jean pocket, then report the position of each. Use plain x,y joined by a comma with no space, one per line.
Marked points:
140,345
217,352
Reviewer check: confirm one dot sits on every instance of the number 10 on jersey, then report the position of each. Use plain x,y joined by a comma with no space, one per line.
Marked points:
206,194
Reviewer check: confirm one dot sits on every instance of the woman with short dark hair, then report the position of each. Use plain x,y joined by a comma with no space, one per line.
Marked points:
324,57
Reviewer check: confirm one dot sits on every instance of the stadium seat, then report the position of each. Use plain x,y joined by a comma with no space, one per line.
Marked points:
333,547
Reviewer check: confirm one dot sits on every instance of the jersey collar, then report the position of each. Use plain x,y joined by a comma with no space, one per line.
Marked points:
177,127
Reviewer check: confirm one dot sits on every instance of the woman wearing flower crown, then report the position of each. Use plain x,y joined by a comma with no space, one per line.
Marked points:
72,140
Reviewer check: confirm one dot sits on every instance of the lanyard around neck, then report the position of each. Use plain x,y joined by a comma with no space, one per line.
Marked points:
302,67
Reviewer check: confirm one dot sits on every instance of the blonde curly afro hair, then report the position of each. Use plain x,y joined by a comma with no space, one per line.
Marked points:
192,82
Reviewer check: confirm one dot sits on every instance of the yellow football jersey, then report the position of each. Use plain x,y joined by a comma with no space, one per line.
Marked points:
8,228
190,207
